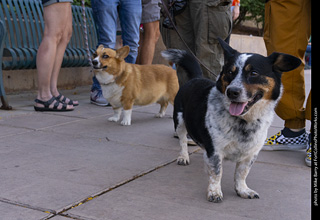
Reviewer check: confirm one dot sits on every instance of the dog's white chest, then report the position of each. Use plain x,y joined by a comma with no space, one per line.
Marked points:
113,92
233,137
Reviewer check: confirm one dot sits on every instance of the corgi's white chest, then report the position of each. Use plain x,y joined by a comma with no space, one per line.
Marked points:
113,92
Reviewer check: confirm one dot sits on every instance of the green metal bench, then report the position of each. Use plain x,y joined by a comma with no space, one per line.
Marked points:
21,30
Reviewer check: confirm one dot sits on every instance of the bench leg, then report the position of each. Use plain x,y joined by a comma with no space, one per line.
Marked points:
4,100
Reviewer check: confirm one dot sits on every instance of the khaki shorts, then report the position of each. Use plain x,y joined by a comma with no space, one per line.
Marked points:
50,2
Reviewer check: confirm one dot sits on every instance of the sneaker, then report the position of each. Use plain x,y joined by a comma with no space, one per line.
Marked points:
287,140
97,98
309,152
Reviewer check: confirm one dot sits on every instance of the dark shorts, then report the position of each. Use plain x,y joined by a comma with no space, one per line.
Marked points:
50,2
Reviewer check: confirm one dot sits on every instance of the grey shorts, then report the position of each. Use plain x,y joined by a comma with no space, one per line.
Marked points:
50,2
150,11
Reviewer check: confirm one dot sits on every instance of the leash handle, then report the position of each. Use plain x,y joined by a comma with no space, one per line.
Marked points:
176,29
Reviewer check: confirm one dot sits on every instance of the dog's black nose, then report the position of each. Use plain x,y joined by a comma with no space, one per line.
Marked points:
94,62
233,92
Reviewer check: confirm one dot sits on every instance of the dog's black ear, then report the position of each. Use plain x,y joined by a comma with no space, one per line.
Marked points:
228,51
284,62
123,52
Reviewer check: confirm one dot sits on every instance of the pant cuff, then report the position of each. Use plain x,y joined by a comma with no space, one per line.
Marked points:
295,123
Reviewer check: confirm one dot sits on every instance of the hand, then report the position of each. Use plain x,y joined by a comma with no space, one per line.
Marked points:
235,12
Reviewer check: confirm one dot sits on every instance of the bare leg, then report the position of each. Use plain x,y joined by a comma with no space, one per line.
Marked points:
57,21
150,38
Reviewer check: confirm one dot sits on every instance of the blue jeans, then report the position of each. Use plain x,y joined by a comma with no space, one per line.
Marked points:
105,14
308,54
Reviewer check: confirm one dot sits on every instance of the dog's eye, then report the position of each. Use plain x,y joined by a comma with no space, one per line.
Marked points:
253,73
105,56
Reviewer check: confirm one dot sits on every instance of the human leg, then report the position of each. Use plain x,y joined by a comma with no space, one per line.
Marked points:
61,47
105,15
55,16
210,21
287,30
130,18
150,19
150,38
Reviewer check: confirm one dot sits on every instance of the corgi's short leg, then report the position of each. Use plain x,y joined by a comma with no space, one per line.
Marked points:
126,117
116,115
163,109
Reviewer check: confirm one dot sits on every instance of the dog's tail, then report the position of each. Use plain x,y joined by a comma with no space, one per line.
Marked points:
185,60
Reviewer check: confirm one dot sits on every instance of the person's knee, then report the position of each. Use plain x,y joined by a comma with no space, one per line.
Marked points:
67,35
152,31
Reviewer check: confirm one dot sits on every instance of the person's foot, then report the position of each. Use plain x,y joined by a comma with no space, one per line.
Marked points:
66,100
97,98
287,139
309,152
52,104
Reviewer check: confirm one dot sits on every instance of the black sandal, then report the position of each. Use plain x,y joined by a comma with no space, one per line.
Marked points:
64,100
47,104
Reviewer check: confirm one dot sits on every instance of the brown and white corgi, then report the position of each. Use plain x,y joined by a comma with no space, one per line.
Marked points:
124,84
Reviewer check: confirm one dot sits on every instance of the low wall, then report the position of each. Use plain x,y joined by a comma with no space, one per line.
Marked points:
249,44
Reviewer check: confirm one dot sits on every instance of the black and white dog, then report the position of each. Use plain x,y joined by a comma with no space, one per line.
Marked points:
229,118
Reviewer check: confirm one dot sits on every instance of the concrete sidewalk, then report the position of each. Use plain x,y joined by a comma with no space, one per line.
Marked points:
79,165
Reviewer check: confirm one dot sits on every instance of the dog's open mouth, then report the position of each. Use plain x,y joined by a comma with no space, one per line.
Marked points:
239,108
100,68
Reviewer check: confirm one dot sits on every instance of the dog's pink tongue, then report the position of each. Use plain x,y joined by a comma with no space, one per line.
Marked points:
236,108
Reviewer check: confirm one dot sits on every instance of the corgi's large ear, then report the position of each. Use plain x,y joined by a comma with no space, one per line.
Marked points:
228,51
284,62
122,52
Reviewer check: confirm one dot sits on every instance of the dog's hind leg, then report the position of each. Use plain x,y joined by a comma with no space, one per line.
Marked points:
214,169
163,108
181,130
242,170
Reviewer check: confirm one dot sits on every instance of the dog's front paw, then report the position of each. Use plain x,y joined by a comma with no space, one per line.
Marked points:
247,193
183,160
215,196
126,122
114,118
159,115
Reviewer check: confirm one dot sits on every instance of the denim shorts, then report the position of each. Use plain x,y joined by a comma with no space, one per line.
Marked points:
50,2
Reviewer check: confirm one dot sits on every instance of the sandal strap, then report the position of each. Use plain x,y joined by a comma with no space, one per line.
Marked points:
64,106
47,103
59,98
64,99
56,104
